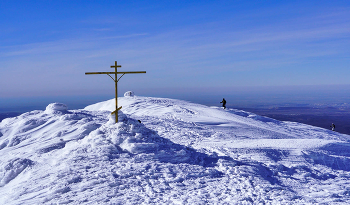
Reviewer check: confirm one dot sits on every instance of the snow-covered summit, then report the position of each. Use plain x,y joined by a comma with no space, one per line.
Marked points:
240,124
168,151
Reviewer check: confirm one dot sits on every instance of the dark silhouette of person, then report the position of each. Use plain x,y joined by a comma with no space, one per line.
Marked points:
333,127
223,103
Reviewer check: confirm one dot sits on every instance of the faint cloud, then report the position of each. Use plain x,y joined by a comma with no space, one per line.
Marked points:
103,29
126,36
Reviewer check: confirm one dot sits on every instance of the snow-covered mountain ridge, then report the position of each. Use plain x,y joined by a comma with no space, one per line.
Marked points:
180,153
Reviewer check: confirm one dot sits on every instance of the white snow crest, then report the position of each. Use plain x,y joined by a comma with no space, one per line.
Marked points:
12,169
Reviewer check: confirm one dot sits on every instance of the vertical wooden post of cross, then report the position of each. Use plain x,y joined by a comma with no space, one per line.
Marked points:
116,89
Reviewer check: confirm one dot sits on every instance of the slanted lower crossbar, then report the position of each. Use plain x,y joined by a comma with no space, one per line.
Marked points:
116,110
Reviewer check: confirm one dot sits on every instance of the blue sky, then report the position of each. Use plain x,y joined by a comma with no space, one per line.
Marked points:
47,46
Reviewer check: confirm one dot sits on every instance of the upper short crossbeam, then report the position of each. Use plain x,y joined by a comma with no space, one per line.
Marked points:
118,66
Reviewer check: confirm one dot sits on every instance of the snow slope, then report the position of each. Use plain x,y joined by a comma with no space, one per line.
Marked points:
180,153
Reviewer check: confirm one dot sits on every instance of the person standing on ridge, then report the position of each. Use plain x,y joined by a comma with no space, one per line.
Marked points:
223,103
333,127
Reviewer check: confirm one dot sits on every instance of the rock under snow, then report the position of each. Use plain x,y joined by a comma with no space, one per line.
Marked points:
56,107
129,94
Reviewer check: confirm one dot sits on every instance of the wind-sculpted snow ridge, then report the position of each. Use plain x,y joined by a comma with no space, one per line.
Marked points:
81,156
165,151
307,164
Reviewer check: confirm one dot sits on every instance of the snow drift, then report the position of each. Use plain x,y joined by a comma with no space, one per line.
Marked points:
168,151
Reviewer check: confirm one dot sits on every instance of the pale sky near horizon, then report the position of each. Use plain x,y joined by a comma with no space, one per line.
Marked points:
47,46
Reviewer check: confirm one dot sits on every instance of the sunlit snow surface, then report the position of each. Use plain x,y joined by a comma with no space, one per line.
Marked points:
180,153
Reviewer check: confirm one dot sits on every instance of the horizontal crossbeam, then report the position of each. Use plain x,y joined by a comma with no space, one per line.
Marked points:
90,73
118,66
130,72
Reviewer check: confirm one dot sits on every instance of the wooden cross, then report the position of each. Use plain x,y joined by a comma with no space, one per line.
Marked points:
116,84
